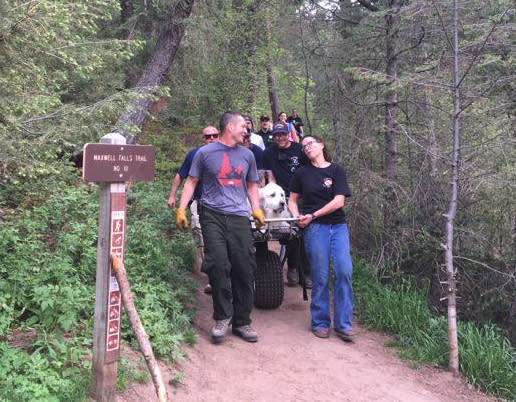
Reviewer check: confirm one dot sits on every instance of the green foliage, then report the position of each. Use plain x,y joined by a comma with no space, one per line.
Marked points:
61,76
36,376
156,260
128,372
485,355
47,278
171,145
488,359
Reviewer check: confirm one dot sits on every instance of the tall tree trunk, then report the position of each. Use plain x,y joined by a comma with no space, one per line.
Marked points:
271,80
253,44
453,346
391,97
426,191
392,20
153,75
126,12
307,80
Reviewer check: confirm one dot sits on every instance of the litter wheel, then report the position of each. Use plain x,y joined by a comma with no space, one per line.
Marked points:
268,280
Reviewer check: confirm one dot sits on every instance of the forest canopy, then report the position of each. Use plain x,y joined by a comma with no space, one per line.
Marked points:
373,78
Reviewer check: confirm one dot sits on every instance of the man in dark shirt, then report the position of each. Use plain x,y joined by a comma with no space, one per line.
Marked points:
297,122
265,131
282,159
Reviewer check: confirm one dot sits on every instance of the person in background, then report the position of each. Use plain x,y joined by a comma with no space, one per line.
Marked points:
324,188
297,122
283,159
255,149
292,136
266,131
209,134
230,178
255,138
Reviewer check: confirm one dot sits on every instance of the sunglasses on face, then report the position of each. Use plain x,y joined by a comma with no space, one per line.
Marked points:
211,136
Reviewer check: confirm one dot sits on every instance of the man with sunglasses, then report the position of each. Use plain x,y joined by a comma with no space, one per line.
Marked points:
283,158
209,134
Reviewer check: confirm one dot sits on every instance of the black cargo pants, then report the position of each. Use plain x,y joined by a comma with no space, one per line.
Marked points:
230,264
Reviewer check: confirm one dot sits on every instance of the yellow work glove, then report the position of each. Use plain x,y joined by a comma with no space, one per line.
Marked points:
181,220
259,218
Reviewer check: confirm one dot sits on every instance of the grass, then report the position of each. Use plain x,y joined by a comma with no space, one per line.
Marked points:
486,358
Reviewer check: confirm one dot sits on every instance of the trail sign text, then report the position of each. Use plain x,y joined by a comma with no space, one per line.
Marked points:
118,163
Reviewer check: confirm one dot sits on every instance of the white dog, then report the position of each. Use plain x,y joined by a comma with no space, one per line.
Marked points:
274,204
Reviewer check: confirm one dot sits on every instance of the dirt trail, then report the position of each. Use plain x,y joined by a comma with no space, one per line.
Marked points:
288,363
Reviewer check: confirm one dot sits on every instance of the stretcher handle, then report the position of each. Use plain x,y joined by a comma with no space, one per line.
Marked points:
268,220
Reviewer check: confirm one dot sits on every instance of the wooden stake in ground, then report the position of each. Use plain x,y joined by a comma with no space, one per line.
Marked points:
136,324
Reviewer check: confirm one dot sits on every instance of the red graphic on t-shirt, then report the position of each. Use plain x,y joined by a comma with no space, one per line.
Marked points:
229,176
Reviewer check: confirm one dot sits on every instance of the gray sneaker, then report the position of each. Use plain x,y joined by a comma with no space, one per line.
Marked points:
246,332
218,332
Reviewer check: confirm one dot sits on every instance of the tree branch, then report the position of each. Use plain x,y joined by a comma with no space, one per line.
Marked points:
470,66
368,4
420,39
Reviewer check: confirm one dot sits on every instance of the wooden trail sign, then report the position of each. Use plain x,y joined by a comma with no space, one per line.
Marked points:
118,163
111,163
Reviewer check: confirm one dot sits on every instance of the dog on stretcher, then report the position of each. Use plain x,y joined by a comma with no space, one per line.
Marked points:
274,205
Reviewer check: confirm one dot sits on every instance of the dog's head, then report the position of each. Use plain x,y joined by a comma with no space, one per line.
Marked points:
272,199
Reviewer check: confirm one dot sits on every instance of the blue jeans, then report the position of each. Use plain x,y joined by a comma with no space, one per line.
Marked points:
325,243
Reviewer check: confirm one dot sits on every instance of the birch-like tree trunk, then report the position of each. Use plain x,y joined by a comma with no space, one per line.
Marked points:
453,346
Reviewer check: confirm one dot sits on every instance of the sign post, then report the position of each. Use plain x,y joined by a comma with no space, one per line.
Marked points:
111,163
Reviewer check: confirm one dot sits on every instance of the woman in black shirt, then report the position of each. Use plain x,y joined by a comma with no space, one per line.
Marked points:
323,187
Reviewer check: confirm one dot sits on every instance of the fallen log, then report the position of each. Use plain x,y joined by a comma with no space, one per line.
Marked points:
136,324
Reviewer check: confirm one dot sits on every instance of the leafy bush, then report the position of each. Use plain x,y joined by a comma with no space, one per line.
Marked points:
47,280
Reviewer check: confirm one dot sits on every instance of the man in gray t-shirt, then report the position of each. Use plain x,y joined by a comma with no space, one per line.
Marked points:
221,169
229,177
